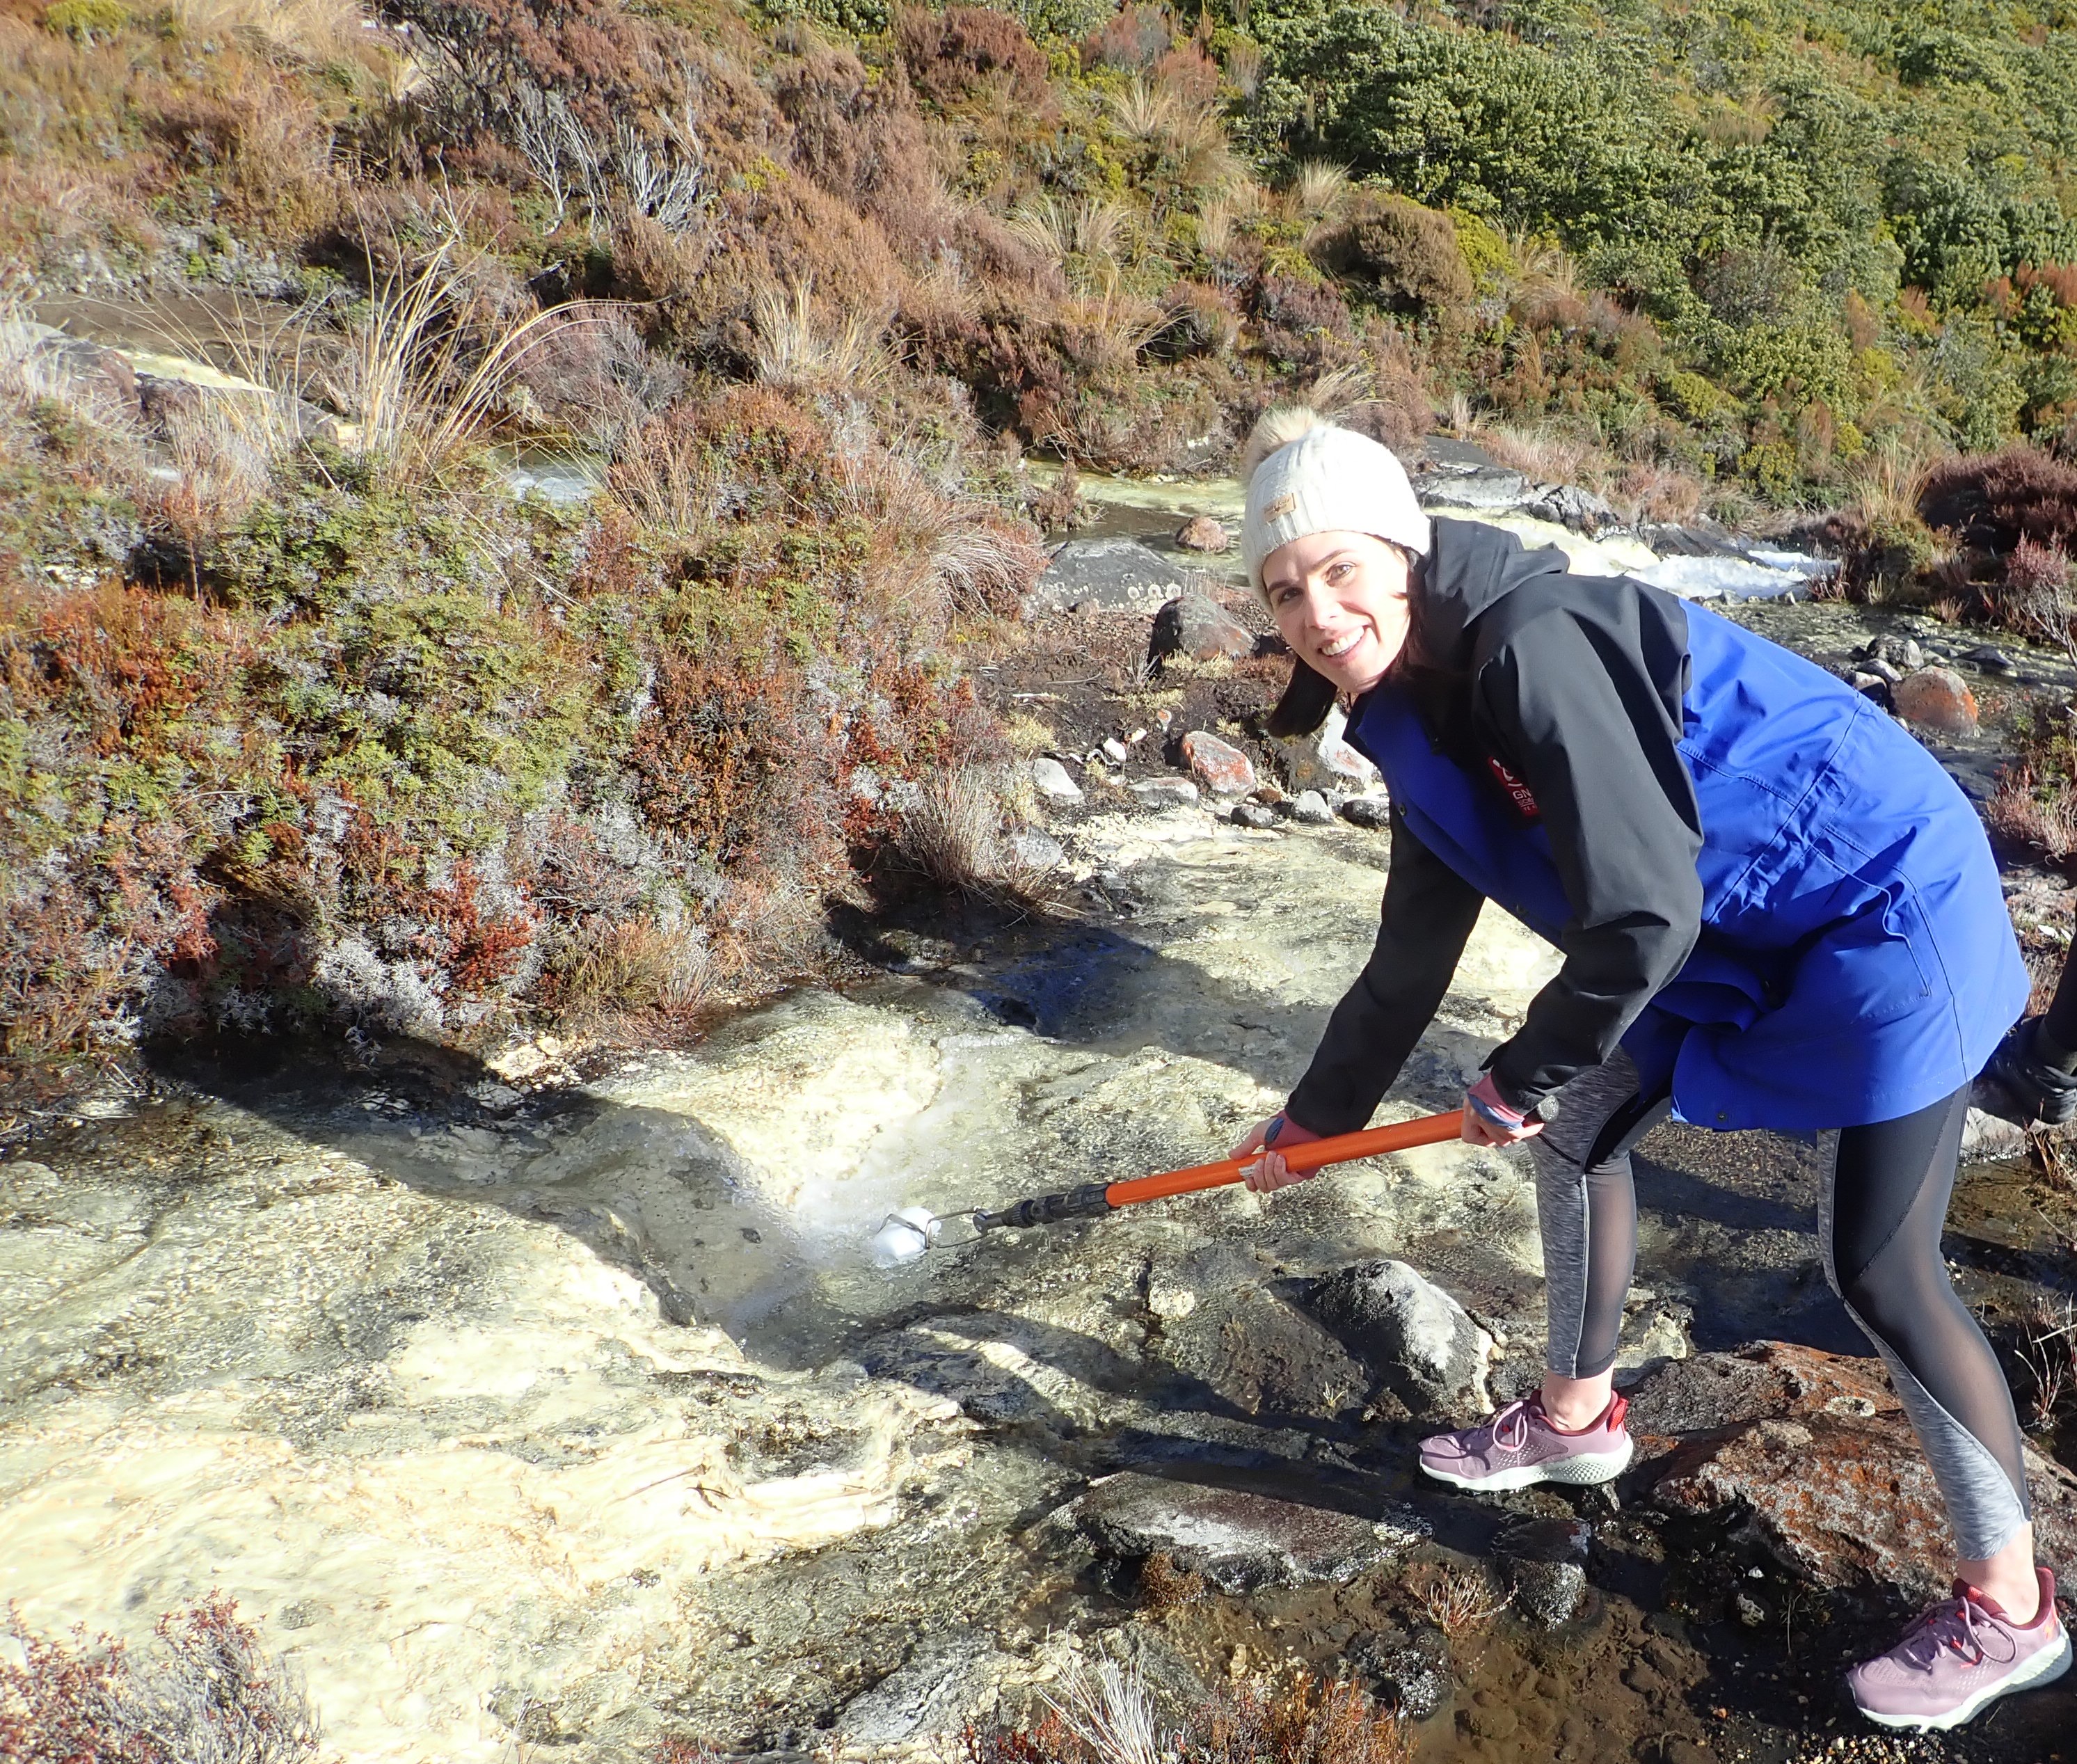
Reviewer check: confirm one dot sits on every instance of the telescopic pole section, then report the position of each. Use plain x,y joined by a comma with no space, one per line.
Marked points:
1314,1155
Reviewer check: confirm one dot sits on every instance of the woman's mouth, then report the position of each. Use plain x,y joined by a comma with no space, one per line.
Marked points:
1336,647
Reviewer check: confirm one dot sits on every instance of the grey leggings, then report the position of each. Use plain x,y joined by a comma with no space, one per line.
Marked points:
1884,1200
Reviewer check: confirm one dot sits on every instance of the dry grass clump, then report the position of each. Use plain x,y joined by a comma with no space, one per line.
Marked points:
2048,1350
1461,1601
1548,453
1104,1715
638,967
202,1690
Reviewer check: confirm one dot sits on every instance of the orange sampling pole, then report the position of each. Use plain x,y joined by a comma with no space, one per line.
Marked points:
1314,1155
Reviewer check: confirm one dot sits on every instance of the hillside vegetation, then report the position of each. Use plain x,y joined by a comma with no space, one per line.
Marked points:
308,719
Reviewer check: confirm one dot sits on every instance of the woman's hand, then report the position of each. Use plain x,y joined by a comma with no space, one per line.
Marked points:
1490,1120
1271,1173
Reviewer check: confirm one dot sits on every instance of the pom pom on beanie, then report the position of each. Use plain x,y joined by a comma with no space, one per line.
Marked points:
1305,476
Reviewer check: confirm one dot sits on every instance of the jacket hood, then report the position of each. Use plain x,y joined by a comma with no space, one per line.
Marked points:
1470,567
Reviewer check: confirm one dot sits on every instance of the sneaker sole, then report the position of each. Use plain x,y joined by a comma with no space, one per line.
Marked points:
1584,1469
2044,1668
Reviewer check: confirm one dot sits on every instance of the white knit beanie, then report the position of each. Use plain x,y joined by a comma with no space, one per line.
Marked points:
1306,476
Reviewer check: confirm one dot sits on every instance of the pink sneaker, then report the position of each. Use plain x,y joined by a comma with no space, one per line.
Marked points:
1521,1446
1960,1655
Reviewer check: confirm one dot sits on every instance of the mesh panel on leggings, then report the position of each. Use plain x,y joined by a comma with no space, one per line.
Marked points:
1587,1216
1885,1205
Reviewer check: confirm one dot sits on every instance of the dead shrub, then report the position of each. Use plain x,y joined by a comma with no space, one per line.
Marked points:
1164,1587
1647,491
1304,325
750,454
2035,805
955,55
1407,253
1549,453
729,757
1104,1716
202,1689
952,832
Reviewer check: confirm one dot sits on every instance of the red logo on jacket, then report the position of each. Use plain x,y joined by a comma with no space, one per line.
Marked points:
1518,792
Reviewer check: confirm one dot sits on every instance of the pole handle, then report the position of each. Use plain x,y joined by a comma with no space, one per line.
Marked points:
1314,1155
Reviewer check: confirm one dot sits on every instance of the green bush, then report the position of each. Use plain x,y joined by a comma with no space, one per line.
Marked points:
86,19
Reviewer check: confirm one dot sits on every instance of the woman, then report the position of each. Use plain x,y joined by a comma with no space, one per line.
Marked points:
1775,911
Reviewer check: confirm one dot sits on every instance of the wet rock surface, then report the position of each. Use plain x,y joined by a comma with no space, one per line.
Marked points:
1543,1562
1416,1339
1239,1542
1812,1450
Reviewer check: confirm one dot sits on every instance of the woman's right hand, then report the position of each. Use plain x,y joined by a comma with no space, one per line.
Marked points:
1270,1172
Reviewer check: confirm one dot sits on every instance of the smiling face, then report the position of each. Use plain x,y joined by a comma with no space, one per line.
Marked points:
1339,599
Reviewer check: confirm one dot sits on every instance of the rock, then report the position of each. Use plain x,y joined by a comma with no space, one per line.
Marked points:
1544,1562
1252,1349
1254,815
1339,758
1049,778
1204,534
1888,673
1170,1302
1225,769
1871,685
1490,488
1417,1341
1240,1542
1115,751
1374,812
1938,698
1985,1136
1311,808
1196,626
947,1683
1570,506
1165,793
1107,576
1034,853
1991,659
1815,1450
1416,1676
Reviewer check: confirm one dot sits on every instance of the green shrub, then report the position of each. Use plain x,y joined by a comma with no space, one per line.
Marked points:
1408,254
86,19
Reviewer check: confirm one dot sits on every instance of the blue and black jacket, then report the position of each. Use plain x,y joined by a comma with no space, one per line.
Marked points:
1764,889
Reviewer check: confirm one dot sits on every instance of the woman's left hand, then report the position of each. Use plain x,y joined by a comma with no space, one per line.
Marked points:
1491,1119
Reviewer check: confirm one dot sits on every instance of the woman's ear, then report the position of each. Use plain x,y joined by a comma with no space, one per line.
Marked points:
1304,705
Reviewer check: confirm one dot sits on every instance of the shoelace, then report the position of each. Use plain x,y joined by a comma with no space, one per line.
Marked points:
1510,1426
1953,1623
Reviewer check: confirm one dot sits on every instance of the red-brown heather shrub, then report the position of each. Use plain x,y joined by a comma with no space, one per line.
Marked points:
962,51
593,54
862,140
1304,326
202,1689
1994,501
1132,42
1187,71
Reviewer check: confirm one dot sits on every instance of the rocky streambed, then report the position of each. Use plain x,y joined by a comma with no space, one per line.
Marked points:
541,1413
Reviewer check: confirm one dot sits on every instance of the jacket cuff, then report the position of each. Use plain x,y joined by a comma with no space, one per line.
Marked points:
1521,1097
